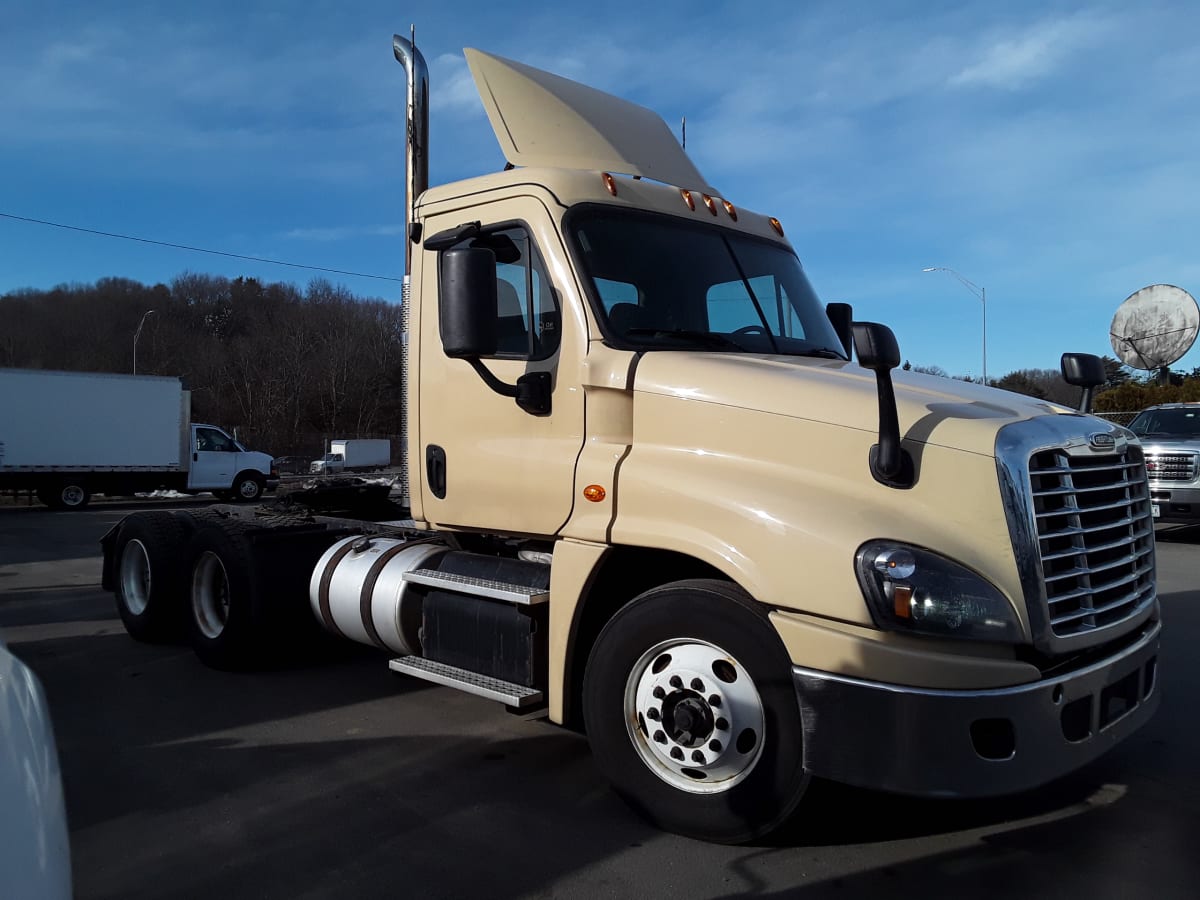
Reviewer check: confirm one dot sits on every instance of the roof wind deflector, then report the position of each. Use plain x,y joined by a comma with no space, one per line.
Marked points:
541,119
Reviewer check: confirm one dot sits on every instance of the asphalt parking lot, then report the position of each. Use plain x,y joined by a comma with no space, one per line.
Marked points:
342,780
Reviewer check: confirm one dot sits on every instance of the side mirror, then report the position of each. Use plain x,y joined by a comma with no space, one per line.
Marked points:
1084,370
467,306
841,317
877,350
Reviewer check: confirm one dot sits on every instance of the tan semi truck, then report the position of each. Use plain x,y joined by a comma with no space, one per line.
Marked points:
652,497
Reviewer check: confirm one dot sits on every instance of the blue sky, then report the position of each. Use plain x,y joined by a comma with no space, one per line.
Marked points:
1046,151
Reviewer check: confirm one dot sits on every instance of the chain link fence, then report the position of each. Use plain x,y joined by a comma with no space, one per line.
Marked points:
1118,418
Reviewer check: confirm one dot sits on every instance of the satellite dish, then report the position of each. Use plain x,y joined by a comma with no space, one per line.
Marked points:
1155,326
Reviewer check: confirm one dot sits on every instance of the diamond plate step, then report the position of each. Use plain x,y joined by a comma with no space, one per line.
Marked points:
506,692
478,587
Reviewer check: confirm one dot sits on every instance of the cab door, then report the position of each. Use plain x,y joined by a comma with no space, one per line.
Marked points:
486,463
214,459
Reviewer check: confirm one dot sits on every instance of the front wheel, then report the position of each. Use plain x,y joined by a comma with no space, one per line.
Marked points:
248,488
692,715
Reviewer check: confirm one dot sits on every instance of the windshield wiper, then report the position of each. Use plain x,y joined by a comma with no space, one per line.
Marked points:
823,353
704,337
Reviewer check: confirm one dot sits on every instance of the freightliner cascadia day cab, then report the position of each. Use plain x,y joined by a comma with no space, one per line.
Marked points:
68,435
652,498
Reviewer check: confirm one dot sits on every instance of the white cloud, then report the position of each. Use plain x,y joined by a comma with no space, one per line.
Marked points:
1017,61
343,233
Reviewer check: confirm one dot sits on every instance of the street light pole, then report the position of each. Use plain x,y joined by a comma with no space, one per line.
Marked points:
979,292
137,334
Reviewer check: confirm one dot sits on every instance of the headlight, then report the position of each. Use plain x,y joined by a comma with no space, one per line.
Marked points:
910,589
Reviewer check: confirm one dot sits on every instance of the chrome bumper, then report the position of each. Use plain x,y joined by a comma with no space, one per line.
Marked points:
953,743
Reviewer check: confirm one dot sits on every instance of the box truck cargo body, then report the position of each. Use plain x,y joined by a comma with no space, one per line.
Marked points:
67,435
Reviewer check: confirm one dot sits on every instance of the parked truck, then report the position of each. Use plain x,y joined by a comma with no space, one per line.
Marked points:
362,455
653,498
1170,435
68,435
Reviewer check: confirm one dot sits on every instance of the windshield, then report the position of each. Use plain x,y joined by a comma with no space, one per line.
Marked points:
665,283
1177,422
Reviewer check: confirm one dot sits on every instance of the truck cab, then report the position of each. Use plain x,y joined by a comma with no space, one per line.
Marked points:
653,496
219,463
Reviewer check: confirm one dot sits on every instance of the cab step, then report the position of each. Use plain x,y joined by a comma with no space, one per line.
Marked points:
478,587
507,692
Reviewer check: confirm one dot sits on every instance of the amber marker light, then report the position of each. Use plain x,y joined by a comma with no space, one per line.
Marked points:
710,203
595,493
902,598
729,209
775,224
610,183
687,198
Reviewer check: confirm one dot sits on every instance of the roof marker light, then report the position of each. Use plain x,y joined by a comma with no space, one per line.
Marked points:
610,183
687,198
710,203
729,209
775,224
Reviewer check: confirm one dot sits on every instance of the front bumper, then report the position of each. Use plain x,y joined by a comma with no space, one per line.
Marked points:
1174,504
961,743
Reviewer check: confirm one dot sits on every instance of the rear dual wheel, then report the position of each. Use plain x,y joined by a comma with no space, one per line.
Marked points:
691,713
150,575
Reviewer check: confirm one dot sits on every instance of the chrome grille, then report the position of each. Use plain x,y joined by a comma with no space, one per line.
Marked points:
1171,466
1095,537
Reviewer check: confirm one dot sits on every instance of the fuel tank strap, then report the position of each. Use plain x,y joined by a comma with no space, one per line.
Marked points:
368,590
323,590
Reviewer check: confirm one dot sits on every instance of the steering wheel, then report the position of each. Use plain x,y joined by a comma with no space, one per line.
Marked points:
750,329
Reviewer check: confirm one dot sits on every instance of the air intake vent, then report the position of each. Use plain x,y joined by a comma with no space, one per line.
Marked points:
1095,537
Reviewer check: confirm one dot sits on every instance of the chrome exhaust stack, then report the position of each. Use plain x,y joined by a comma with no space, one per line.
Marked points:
416,180
416,145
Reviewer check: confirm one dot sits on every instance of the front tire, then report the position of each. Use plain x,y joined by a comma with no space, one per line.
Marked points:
692,715
248,488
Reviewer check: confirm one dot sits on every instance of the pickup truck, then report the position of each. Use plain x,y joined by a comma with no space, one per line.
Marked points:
1170,436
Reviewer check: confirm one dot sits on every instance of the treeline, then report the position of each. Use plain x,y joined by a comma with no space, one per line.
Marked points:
1124,390
286,368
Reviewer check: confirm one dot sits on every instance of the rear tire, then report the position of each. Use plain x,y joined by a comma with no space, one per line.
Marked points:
224,610
150,577
691,712
65,495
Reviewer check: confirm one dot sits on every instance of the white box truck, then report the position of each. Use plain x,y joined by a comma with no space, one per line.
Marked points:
68,435
652,496
363,455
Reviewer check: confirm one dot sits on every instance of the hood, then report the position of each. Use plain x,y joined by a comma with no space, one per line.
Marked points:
932,410
542,119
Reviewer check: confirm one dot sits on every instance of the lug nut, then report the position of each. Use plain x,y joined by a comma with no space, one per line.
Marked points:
714,746
676,682
722,724
660,737
714,701
676,753
652,714
659,693
697,684
697,756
